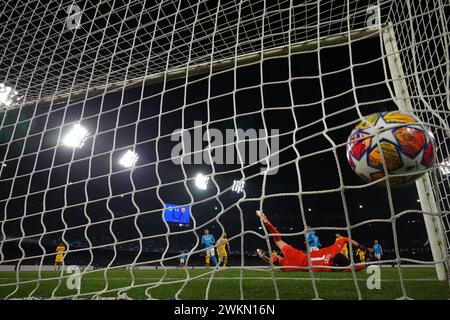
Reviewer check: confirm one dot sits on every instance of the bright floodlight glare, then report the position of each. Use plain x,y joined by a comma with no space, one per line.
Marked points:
129,159
76,137
238,186
360,206
201,181
445,167
7,95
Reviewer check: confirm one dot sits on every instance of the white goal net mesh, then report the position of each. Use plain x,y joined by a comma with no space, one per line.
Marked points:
262,96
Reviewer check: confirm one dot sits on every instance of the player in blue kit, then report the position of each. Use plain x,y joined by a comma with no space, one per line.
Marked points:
208,241
183,258
377,250
313,241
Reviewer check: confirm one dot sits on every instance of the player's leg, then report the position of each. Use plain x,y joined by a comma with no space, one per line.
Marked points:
213,257
220,255
275,260
357,268
207,258
262,255
58,261
353,242
276,235
340,260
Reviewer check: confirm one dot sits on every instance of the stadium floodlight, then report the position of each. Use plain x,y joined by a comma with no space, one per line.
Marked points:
7,95
238,186
129,159
361,206
445,167
76,136
201,181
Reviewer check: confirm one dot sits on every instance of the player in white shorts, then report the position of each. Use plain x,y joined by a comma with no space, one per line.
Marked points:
208,241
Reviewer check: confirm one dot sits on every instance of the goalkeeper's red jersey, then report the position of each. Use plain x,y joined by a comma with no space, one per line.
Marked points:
297,260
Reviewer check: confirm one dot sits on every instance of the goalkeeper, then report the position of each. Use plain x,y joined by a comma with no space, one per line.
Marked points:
297,260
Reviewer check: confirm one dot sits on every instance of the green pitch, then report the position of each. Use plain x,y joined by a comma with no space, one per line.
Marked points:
419,283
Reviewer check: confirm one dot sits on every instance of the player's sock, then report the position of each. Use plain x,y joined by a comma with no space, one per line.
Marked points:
270,226
214,260
273,230
225,261
275,260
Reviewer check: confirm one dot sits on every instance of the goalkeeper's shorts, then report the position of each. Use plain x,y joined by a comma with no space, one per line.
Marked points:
210,252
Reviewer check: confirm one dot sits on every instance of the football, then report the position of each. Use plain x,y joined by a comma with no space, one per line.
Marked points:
407,148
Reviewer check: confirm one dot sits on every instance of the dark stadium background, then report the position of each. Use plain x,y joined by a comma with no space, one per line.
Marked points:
319,172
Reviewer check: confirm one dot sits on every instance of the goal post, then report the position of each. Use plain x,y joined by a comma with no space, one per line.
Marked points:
432,214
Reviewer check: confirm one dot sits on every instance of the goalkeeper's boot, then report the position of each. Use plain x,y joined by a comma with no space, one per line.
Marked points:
260,253
262,216
262,256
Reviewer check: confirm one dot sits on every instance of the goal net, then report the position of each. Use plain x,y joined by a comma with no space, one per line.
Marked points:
127,128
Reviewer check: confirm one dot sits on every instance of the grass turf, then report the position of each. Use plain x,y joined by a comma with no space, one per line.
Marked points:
419,283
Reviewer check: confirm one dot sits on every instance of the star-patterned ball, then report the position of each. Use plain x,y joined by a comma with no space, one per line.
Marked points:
407,148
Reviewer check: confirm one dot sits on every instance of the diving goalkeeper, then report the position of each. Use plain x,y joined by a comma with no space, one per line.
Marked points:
297,260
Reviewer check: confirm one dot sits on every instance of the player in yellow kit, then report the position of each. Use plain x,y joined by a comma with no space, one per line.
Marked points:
59,255
222,250
344,249
361,254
